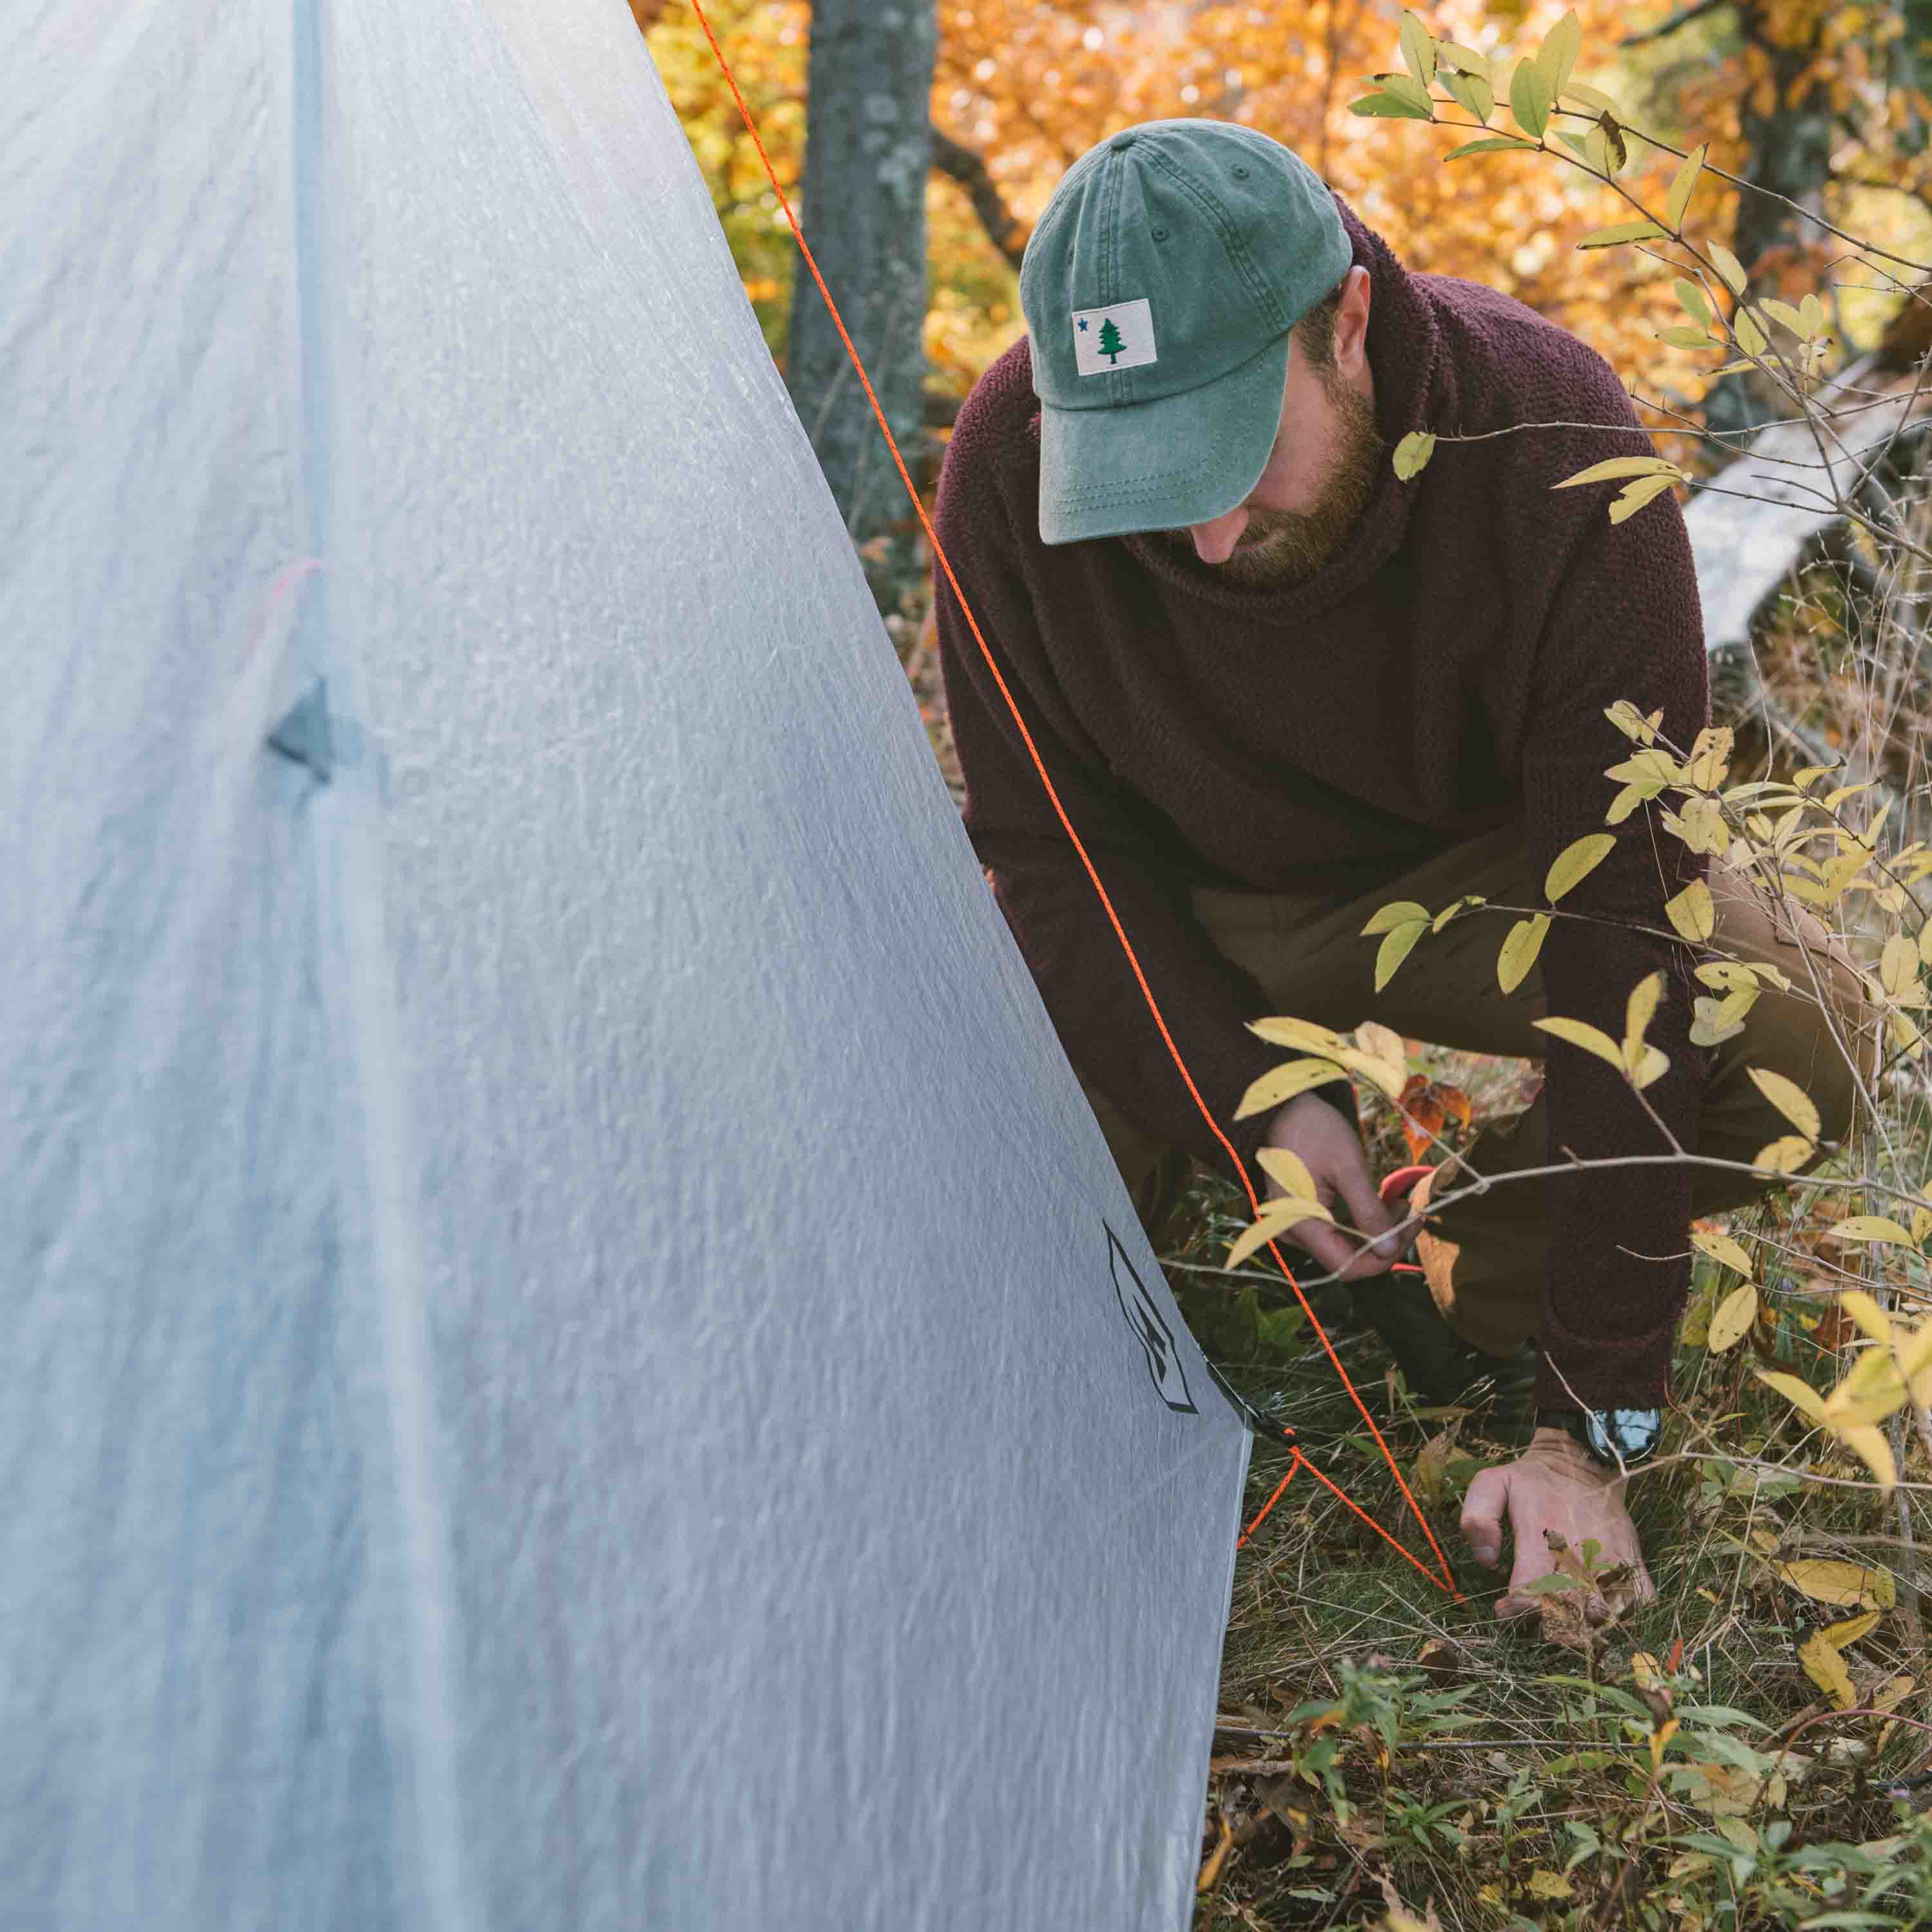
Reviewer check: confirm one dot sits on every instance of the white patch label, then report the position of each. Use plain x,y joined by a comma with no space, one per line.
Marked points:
1120,337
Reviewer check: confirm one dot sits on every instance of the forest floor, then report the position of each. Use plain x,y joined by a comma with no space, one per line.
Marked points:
1389,1756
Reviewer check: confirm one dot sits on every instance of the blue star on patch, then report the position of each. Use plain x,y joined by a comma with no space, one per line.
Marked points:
1083,325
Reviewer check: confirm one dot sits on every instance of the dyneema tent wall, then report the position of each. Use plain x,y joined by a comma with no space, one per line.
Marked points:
576,1356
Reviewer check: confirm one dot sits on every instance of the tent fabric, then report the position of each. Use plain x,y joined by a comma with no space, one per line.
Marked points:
578,1357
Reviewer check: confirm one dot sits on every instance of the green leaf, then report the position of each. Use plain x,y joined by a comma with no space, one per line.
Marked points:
1558,54
1473,91
1405,89
1389,107
1395,947
1682,183
1686,338
1413,452
1691,295
1576,862
1495,145
1531,97
1624,231
1418,48
1747,335
1782,312
1520,950
1616,466
1452,54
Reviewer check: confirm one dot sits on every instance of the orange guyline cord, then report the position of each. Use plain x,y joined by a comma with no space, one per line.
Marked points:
1445,1581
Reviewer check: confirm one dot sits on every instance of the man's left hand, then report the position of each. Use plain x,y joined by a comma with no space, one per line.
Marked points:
1556,1484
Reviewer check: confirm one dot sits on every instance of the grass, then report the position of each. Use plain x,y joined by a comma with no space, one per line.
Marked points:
1410,1740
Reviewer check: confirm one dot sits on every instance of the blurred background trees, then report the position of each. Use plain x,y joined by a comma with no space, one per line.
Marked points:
1826,104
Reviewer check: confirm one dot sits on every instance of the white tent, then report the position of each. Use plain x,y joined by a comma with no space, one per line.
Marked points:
576,1357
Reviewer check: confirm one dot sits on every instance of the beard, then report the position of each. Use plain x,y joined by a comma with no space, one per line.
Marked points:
1283,547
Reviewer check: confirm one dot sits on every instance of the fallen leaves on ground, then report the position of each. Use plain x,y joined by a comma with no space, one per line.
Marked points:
1582,1617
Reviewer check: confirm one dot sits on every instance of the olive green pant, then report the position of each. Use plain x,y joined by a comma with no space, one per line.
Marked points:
1312,958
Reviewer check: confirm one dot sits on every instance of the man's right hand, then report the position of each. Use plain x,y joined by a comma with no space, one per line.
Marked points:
1326,1142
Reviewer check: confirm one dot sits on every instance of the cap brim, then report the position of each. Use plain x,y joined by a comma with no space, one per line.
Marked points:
1160,465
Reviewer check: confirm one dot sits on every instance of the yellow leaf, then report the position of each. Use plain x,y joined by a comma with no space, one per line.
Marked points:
1283,1031
1551,1884
1395,948
1844,1634
1925,943
1728,266
1872,1320
1786,1155
1576,862
1747,335
1580,1032
1682,183
1387,1079
1385,1044
1735,1314
1288,1172
1728,976
1639,1011
1869,1444
1397,912
1558,54
1722,1248
1647,1067
1418,49
1275,1220
1922,1226
1621,466
1801,1396
1843,1586
1519,951
1898,968
1826,1669
1623,231
1870,1228
1635,495
1284,1083
1413,452
1789,1098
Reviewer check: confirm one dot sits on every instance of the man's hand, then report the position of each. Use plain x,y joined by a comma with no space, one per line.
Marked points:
1556,1484
1326,1143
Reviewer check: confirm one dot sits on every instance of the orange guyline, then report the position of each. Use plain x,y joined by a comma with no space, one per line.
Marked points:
1445,1580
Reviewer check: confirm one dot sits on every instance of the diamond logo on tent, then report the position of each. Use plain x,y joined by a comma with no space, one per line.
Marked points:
1118,336
1150,1329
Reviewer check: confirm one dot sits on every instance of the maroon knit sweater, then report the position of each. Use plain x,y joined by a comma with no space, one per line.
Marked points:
1446,671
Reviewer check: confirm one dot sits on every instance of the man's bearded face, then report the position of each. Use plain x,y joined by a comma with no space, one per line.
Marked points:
1280,548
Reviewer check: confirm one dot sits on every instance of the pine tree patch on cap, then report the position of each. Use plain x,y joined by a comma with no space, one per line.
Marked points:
1118,336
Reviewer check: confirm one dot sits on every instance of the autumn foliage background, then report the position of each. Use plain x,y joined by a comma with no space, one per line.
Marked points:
1026,88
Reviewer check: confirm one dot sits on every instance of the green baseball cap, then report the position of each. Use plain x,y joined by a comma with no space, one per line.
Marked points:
1159,288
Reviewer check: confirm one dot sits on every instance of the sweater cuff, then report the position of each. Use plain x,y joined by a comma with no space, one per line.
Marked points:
1630,1372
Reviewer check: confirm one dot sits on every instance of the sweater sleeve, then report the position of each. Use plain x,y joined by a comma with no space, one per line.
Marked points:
1069,944
1623,622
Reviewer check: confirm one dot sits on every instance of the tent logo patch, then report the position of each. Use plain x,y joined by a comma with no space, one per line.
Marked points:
1150,1329
1118,336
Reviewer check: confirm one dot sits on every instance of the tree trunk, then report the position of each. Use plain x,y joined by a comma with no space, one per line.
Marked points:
1789,152
868,150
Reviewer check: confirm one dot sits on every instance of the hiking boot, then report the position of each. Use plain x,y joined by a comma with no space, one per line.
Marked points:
1439,1365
